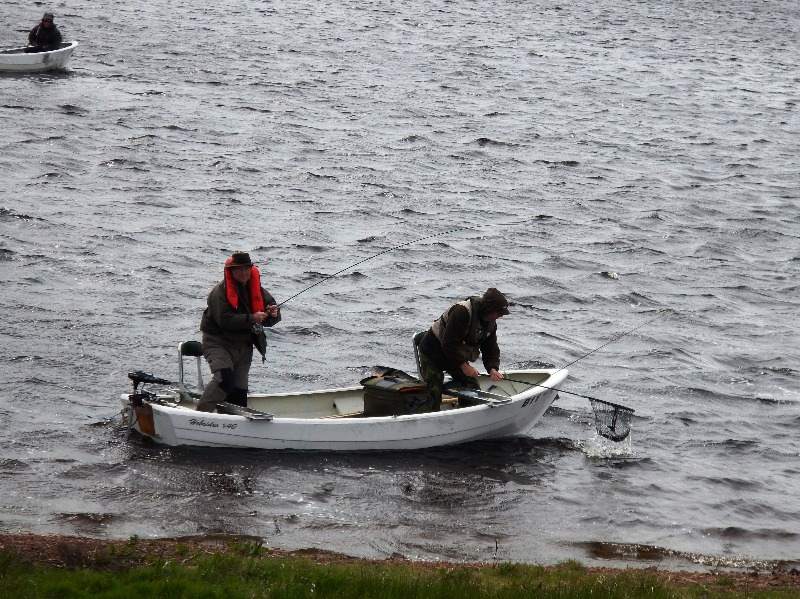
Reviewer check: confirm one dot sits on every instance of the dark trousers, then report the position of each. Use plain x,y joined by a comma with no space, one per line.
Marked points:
432,373
230,366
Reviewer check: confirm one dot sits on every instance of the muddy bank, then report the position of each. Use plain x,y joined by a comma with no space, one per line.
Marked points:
82,552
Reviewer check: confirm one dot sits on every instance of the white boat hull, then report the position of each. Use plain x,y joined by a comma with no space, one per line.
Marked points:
319,426
16,60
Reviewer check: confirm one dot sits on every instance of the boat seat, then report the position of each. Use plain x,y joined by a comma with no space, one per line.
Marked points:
192,349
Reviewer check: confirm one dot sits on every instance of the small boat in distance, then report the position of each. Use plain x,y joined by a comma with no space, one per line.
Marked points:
17,60
334,419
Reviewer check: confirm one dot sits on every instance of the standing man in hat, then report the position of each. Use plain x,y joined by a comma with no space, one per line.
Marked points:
465,331
238,309
45,36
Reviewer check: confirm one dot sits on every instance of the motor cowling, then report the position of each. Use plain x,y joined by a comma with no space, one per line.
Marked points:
139,376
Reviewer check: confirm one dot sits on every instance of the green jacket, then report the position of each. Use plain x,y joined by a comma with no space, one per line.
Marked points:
463,336
234,326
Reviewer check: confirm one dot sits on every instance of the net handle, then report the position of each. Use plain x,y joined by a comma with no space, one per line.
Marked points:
618,406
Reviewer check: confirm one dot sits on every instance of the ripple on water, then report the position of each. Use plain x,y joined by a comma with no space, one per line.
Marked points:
12,466
591,197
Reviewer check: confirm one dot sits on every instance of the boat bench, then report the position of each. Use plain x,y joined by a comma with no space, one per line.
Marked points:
350,408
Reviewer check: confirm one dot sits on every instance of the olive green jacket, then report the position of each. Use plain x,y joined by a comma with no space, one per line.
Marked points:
234,326
463,336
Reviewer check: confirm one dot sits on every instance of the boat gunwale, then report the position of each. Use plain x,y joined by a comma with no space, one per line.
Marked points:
363,420
21,50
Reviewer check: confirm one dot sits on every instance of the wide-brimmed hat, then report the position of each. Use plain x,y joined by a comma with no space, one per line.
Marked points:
238,259
494,301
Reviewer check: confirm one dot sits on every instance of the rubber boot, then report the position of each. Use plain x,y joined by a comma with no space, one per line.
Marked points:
238,397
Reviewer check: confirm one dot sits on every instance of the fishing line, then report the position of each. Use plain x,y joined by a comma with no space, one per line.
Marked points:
381,253
661,313
413,241
611,420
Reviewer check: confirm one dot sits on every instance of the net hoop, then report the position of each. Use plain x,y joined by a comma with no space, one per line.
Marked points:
612,420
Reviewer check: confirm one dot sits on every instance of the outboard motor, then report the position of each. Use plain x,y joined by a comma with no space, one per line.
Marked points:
142,413
137,378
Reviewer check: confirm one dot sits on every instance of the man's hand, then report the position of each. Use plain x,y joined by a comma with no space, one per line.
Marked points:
271,311
469,370
495,375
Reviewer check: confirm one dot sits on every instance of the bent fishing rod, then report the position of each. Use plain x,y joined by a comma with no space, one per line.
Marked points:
397,247
661,313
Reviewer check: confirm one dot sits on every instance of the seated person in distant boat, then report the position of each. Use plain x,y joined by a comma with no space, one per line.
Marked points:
45,36
467,329
232,323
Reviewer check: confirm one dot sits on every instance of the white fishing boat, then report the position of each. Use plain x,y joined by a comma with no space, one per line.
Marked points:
333,419
17,60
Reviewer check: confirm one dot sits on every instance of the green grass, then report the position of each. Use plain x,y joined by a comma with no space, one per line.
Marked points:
245,573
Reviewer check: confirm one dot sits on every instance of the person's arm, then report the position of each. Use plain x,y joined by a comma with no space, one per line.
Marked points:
32,36
271,308
58,37
490,352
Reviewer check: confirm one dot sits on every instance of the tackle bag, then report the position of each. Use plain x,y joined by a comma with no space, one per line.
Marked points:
394,393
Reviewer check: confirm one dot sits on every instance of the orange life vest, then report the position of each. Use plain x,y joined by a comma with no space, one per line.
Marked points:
253,287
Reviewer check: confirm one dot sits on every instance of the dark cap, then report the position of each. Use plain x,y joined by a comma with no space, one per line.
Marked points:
494,301
48,16
238,259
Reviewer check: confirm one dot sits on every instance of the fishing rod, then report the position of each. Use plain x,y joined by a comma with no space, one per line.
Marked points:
612,420
661,313
391,249
381,253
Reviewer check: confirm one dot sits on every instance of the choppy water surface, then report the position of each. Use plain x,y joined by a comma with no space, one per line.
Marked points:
651,150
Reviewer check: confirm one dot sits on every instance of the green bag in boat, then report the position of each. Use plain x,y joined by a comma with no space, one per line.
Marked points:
394,393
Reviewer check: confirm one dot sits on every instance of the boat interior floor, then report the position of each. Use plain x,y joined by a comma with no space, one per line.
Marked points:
448,403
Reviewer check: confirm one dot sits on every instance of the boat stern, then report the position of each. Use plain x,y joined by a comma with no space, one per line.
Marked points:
141,414
142,408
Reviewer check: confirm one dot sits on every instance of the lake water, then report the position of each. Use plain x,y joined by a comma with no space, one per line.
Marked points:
610,160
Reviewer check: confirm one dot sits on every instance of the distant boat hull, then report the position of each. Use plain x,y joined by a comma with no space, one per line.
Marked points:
16,60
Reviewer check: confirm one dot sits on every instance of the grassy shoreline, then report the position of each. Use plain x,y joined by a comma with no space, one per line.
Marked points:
219,566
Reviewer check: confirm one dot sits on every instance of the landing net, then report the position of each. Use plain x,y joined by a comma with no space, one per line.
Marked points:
612,420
